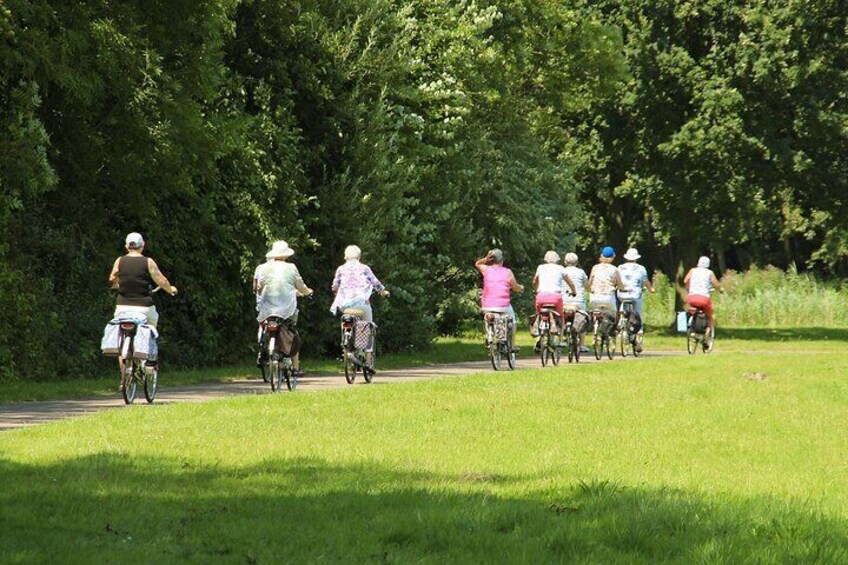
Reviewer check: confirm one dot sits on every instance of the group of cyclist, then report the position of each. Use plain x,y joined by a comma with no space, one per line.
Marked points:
277,283
565,287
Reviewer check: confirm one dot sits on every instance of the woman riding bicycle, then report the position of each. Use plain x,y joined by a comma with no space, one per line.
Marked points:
604,280
279,283
700,282
548,284
577,302
353,283
498,282
133,275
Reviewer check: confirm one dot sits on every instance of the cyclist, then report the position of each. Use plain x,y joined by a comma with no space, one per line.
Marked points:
279,284
700,282
604,280
133,275
353,284
635,277
548,284
576,303
498,282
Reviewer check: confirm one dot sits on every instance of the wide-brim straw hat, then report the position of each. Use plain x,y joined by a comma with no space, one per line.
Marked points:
280,249
632,254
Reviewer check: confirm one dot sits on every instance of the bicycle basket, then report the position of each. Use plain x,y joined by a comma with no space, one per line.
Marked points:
364,336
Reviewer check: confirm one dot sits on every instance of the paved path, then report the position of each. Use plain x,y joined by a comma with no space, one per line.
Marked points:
22,414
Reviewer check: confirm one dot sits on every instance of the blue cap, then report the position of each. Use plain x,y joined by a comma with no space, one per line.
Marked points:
608,252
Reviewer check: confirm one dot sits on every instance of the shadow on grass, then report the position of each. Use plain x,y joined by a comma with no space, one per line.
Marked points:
110,508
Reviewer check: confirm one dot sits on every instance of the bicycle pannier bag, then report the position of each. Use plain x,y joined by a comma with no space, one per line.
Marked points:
289,342
635,322
111,340
579,322
699,323
144,343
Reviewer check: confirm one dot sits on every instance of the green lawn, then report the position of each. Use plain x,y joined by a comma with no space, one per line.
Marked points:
683,459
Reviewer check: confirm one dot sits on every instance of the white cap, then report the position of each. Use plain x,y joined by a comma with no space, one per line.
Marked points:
280,249
571,258
352,252
632,255
704,262
134,241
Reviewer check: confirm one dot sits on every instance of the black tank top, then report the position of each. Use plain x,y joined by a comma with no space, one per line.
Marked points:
134,282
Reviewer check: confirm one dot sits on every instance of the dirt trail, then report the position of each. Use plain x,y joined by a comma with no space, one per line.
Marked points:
21,414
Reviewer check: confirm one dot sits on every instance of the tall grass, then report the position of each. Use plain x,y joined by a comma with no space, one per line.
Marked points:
763,297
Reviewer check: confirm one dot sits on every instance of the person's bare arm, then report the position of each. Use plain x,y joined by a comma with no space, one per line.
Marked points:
619,284
715,282
159,278
113,276
591,279
483,263
686,278
649,285
301,287
514,283
570,284
535,283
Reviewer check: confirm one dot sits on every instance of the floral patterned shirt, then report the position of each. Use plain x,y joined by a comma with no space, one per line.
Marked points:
353,285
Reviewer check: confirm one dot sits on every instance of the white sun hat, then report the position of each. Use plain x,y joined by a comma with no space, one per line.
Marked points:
632,255
280,249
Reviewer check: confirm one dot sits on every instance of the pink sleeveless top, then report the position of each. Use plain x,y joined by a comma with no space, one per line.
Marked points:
496,287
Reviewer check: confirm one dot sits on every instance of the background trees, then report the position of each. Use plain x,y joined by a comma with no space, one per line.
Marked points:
423,131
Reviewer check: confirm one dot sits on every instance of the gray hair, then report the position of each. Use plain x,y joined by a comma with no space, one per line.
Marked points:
352,252
704,262
497,255
571,259
551,257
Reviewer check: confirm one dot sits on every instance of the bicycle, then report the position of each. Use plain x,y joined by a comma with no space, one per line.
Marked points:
602,323
571,333
625,337
548,325
133,364
699,332
359,338
276,362
499,331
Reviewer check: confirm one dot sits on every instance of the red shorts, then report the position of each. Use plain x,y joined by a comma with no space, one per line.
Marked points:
554,298
702,302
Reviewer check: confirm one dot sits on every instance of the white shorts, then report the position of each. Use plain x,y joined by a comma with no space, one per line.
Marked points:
148,311
602,302
501,310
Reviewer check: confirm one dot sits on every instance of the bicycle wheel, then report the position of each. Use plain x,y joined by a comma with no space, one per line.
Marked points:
291,378
691,342
349,366
708,345
495,355
275,373
151,382
556,349
544,354
129,382
575,345
624,340
368,366
597,339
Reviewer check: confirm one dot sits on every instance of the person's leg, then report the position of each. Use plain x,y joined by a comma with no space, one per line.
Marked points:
511,314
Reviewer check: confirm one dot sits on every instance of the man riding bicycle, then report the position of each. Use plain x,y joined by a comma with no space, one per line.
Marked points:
700,282
279,284
635,277
498,282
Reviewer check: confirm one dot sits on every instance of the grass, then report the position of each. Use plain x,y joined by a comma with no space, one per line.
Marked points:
682,459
